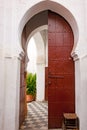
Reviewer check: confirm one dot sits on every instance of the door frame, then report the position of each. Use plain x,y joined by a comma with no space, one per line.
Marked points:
58,11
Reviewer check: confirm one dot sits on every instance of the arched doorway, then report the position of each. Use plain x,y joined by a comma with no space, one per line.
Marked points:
32,25
61,92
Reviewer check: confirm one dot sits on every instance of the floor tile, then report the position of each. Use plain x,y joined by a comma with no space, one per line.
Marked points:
37,117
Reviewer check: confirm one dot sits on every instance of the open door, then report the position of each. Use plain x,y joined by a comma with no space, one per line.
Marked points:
23,104
61,86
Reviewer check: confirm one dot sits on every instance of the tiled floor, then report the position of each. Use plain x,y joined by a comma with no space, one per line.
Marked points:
37,117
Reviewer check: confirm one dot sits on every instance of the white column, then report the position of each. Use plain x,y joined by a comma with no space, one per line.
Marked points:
11,95
81,91
40,82
83,94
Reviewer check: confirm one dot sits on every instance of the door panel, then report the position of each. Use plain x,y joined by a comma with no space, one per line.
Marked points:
23,105
61,86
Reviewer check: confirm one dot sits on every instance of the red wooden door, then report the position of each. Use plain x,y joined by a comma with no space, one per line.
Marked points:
23,105
61,88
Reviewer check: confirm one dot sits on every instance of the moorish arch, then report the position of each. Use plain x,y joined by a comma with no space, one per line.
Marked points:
39,17
55,7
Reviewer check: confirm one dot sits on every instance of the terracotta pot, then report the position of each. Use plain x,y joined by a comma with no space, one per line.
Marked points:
29,98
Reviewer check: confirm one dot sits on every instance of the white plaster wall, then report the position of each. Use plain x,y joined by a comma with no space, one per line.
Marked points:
40,66
44,34
78,12
40,48
9,42
83,93
9,67
2,92
11,101
12,21
9,93
31,53
40,82
78,91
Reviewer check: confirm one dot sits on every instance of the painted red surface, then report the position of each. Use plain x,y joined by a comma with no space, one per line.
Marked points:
61,86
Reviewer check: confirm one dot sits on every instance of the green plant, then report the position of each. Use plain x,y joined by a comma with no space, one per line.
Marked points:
31,84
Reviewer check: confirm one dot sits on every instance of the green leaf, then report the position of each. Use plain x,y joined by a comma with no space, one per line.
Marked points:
31,84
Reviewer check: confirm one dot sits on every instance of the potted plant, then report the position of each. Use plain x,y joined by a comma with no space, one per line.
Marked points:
30,87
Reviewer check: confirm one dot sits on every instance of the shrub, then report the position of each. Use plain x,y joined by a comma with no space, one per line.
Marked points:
31,84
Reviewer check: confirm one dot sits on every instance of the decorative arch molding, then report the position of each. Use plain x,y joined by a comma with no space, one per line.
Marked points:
38,29
37,23
57,8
